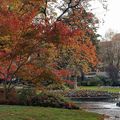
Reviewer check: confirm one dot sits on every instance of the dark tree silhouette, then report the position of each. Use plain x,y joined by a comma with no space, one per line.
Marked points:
113,74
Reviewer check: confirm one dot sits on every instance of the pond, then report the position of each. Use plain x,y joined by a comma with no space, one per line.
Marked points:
107,108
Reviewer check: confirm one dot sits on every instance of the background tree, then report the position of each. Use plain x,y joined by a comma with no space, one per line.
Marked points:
77,55
110,55
113,74
109,51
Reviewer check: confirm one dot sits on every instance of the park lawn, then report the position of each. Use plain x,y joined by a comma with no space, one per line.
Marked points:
40,113
97,88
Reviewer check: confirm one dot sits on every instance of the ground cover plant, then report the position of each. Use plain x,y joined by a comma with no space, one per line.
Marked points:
98,88
40,113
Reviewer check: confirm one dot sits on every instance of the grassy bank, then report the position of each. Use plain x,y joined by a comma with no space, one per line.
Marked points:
40,113
109,89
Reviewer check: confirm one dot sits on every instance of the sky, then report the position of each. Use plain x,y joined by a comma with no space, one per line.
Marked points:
111,17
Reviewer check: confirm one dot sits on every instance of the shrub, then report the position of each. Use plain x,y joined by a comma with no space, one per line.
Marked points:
95,81
25,95
106,81
55,87
28,96
84,83
12,97
52,100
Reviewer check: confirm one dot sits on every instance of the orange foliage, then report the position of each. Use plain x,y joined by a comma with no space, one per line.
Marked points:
21,43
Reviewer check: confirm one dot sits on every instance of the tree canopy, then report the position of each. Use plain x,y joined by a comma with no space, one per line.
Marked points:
33,38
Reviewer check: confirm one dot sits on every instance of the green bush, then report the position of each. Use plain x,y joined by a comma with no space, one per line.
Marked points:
84,83
95,81
106,81
25,95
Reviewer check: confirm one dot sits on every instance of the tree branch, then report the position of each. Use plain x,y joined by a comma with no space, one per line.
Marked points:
69,7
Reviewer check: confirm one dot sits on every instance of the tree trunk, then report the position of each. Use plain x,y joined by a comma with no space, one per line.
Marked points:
6,94
6,91
75,82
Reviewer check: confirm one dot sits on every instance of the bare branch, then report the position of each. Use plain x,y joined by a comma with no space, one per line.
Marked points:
69,6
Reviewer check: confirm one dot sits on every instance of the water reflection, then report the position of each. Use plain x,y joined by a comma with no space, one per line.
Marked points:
106,108
111,106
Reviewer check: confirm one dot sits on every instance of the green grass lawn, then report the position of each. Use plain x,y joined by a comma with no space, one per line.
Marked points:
100,88
39,113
